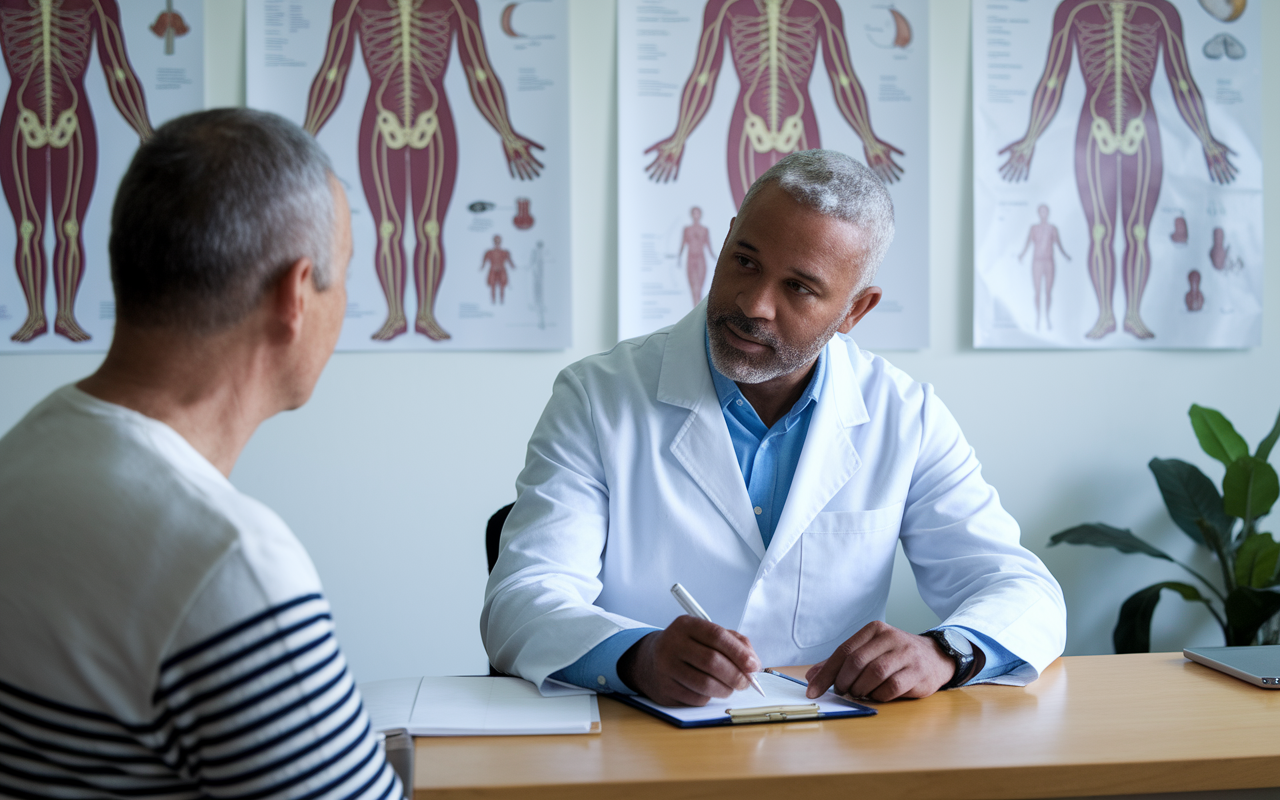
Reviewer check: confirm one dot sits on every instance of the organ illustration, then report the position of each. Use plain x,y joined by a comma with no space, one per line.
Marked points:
774,46
168,26
47,122
1195,297
895,32
1220,254
1224,44
1117,145
407,140
523,220
1224,10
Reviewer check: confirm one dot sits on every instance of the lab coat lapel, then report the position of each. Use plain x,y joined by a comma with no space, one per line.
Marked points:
702,445
828,460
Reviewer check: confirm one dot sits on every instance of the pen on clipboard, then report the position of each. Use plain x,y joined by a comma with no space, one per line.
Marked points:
785,676
692,608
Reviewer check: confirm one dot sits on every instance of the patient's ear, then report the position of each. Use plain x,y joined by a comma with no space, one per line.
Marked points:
289,298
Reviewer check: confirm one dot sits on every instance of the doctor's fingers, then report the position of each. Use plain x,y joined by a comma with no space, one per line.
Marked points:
889,677
731,644
741,637
705,685
706,670
851,657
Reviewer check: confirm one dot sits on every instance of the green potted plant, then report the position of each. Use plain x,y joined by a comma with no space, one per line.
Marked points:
1245,600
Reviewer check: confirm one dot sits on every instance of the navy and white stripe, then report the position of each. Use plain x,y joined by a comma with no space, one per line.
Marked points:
263,709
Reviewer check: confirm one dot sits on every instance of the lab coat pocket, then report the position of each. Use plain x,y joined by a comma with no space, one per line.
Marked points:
846,562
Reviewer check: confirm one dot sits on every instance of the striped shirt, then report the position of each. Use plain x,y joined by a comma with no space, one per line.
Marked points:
161,634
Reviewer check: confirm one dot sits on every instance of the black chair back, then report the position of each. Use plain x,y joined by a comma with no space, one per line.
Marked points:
493,533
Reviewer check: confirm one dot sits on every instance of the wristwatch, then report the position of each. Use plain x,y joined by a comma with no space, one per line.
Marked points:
957,648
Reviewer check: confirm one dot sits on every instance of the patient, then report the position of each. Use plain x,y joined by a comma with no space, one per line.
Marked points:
161,633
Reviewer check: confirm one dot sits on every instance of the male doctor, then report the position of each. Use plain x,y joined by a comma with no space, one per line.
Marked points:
771,467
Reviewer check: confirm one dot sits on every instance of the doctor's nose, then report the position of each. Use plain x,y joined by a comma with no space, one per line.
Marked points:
757,301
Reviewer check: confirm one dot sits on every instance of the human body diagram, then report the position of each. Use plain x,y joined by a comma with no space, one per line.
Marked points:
407,142
774,45
696,240
53,148
1041,239
536,265
1118,154
497,259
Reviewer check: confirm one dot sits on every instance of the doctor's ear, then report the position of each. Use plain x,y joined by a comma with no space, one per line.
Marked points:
868,299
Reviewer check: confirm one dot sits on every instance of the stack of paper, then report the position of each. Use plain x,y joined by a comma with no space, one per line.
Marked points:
476,706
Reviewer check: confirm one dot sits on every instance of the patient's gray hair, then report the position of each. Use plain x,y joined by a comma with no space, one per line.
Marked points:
836,185
214,208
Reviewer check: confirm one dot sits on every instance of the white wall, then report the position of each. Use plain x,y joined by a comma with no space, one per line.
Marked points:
390,472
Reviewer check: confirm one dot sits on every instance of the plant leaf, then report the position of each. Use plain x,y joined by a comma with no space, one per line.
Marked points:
1264,447
1217,436
1101,535
1191,496
1133,628
1250,488
1256,561
1247,609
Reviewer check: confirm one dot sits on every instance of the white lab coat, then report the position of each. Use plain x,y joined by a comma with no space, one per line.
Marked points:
631,484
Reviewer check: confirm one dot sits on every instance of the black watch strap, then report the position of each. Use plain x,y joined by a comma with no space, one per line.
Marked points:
964,662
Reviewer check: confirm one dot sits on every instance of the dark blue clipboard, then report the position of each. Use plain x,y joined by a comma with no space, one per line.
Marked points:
853,710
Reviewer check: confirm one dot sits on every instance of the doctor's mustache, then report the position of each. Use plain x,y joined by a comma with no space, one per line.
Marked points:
756,330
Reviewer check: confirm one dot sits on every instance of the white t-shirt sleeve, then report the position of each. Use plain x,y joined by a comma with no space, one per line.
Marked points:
256,697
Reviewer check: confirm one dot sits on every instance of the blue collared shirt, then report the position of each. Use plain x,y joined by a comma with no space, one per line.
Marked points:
768,458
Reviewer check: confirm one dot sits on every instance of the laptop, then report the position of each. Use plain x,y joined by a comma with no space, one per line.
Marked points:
1257,665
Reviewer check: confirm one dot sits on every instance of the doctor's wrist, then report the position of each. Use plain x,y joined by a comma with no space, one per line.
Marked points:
627,663
967,658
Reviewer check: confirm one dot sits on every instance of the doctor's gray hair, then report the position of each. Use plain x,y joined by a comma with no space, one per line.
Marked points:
836,185
214,208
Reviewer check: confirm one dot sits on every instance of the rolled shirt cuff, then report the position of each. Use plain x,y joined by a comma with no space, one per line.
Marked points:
598,669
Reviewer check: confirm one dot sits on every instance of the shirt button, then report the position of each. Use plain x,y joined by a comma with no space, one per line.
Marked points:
739,402
600,679
759,510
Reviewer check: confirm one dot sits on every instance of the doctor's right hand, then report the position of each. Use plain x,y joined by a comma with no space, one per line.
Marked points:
689,663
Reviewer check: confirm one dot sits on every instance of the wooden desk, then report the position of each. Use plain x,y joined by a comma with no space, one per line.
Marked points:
1091,725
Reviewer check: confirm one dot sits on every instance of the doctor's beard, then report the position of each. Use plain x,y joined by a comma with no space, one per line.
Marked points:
742,367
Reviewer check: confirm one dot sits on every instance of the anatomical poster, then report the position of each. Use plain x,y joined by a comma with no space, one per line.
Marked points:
447,122
84,81
711,93
1117,173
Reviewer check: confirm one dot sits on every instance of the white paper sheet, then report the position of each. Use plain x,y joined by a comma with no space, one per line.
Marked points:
778,692
662,249
1203,285
509,71
476,706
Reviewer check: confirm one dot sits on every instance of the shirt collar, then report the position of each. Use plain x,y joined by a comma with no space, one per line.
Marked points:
727,390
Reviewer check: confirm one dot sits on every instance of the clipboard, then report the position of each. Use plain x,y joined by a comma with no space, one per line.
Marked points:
784,702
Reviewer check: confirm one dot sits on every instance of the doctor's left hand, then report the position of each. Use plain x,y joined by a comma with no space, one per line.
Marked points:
883,663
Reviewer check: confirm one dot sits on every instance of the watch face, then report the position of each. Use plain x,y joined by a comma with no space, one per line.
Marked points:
959,643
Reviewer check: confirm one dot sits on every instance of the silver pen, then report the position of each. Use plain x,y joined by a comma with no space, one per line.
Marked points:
692,608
